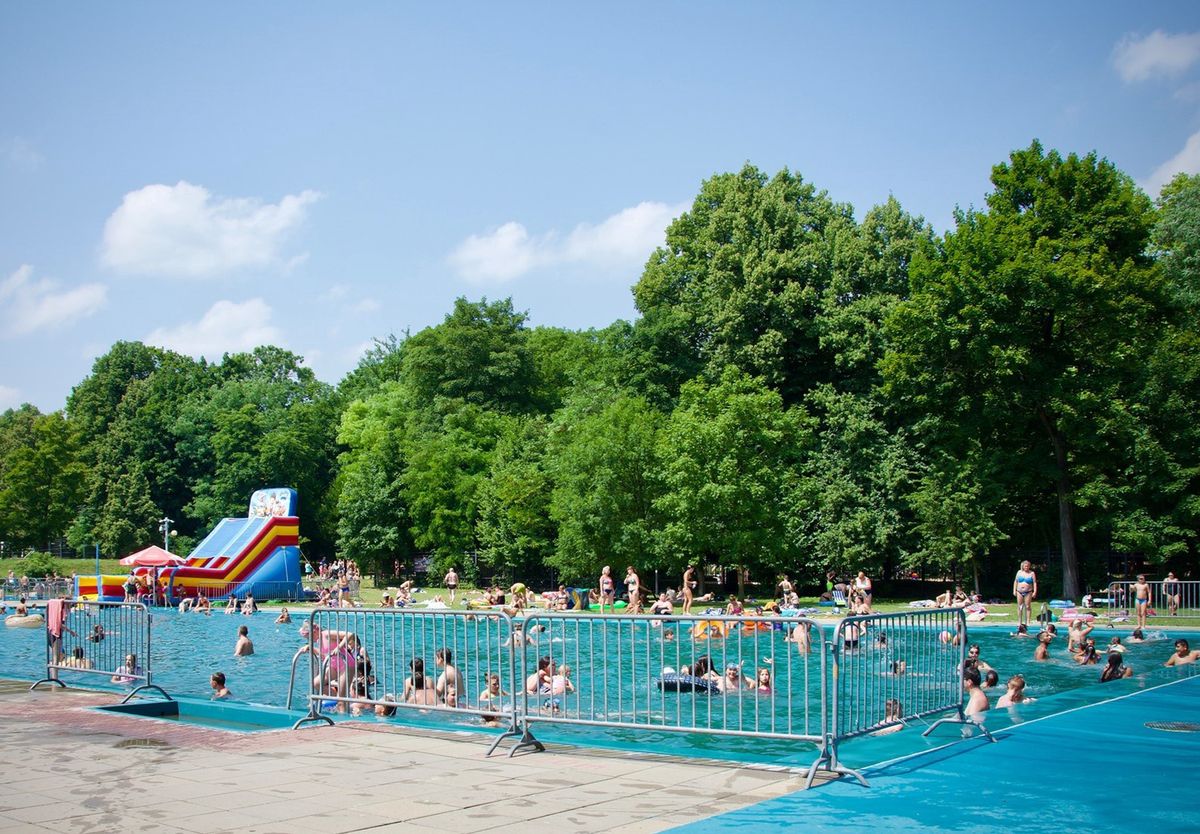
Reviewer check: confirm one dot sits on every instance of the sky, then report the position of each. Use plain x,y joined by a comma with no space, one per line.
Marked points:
208,177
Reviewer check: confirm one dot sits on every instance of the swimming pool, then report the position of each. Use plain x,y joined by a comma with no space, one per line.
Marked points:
189,647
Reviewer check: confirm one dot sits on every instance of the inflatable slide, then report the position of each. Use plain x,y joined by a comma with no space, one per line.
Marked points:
258,554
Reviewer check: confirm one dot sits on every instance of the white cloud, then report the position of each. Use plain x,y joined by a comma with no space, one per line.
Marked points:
30,305
1137,58
1187,161
9,397
364,306
227,327
182,230
625,238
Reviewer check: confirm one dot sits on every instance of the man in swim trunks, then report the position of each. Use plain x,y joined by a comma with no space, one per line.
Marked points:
1184,654
1141,599
1025,590
245,646
451,581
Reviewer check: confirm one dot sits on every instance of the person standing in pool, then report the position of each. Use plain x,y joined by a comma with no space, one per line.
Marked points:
1141,599
220,691
451,581
245,646
1025,591
977,700
688,588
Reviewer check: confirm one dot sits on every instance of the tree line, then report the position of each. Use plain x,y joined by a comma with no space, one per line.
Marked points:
802,391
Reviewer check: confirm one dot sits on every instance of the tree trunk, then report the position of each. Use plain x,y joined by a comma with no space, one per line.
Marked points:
1066,521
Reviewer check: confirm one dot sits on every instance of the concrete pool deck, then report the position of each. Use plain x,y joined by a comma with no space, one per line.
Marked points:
70,769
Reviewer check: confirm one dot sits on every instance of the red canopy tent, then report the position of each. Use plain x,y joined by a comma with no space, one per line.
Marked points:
153,557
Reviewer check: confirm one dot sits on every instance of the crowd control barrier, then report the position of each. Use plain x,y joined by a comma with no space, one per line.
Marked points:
755,677
110,640
1167,597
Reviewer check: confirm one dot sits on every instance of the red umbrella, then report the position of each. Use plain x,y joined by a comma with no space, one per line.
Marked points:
153,557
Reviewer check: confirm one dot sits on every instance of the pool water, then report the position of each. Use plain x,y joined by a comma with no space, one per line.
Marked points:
188,648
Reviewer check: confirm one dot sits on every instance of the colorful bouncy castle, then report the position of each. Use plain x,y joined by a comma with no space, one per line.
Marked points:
258,554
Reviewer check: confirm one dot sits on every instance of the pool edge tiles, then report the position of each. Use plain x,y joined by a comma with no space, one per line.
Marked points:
1077,767
213,715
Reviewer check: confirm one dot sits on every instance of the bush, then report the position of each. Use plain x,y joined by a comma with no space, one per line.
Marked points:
41,564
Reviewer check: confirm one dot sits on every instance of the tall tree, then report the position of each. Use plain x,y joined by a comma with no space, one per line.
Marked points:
1028,330
41,477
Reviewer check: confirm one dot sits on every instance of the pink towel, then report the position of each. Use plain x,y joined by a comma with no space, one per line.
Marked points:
56,616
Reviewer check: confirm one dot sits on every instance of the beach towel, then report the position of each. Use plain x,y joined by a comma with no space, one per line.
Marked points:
56,616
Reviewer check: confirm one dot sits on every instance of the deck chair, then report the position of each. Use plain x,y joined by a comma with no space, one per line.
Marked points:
839,599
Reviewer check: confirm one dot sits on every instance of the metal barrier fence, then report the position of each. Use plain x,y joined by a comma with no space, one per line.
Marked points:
889,669
386,660
99,639
37,589
1167,596
754,677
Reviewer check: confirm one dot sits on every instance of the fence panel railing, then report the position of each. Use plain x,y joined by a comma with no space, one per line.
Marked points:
1167,596
718,675
891,668
110,640
386,660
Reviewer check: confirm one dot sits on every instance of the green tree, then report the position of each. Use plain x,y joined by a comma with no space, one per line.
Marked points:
41,476
1025,331
516,533
726,452
479,355
601,455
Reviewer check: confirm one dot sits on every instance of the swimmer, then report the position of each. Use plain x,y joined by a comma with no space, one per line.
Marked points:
185,605
443,659
1115,669
129,671
386,709
1115,645
1087,655
561,684
734,680
491,697
899,667
539,682
1022,631
1136,636
1015,693
1184,654
1042,652
802,636
249,607
418,688
977,700
244,646
991,679
97,634
220,691
893,718
77,660
764,680
973,656
284,617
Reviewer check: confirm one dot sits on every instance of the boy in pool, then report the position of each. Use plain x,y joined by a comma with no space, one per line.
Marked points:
217,683
1184,654
977,701
443,659
245,646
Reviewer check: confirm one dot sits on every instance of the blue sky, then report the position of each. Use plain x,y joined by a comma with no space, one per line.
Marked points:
208,177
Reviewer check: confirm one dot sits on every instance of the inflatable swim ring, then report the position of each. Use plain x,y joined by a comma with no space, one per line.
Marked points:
618,605
751,628
1062,603
686,683
1073,614
28,621
715,629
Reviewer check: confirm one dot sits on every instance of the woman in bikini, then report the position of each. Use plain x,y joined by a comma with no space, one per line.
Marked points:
689,584
608,590
1025,590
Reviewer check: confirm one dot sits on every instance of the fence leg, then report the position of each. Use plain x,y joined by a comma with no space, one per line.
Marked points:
314,714
143,688
827,760
962,720
61,685
526,740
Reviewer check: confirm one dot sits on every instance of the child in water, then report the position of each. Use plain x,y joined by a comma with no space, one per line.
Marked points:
764,680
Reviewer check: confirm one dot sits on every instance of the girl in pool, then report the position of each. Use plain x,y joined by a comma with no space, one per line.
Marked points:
764,680
1015,693
893,718
560,684
1115,668
284,616
1087,655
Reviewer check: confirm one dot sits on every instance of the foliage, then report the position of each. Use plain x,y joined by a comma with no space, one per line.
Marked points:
39,563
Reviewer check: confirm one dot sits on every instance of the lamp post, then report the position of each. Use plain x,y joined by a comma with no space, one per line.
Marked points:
165,525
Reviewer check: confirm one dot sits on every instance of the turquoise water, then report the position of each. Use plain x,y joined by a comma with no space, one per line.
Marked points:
189,648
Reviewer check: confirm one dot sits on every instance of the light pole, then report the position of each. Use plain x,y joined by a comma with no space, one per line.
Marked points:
165,525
